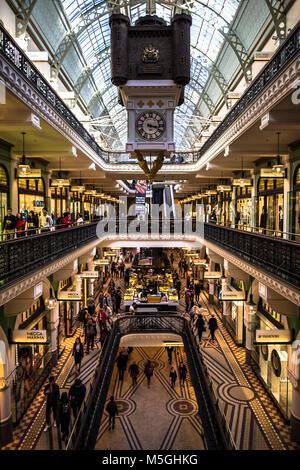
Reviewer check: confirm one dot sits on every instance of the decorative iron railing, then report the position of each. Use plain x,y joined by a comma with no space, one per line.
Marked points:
276,256
85,431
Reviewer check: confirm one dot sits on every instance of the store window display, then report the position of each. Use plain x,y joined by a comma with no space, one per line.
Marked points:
270,206
31,195
4,190
244,207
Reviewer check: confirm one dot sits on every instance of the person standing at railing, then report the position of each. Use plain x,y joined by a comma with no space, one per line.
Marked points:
45,221
32,223
66,220
20,225
8,225
79,220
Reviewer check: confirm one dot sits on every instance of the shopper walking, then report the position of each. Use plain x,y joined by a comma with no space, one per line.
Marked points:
78,355
178,288
170,351
200,325
182,373
64,416
76,395
121,364
51,391
197,291
90,335
148,371
173,376
134,372
212,325
112,410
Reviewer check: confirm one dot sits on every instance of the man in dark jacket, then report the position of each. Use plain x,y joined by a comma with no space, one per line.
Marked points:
178,287
118,298
76,396
51,391
182,373
197,291
8,225
112,410
121,364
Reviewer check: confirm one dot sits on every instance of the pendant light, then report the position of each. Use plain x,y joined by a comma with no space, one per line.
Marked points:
250,302
23,166
80,188
51,302
60,182
279,164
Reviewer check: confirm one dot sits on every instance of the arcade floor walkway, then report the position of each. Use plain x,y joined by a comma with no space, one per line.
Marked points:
155,418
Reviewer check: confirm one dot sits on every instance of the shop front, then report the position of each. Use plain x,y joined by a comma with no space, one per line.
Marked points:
4,192
271,360
225,208
75,204
31,195
67,311
33,356
296,204
243,207
59,201
270,207
233,297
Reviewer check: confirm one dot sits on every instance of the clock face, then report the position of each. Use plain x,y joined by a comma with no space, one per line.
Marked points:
150,125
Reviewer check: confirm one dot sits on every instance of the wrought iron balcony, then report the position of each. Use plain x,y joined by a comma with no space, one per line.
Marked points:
276,256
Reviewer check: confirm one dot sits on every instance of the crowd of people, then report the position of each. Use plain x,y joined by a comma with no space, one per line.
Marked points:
28,223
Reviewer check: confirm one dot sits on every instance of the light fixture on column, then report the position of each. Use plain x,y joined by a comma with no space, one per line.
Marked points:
23,167
51,302
278,167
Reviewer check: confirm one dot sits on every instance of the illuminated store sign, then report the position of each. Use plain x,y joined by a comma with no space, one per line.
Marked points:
29,336
223,188
199,262
89,274
101,262
273,336
271,173
32,173
262,290
244,182
231,294
69,295
212,275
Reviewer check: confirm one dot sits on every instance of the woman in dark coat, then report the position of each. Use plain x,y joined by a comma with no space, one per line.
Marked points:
78,354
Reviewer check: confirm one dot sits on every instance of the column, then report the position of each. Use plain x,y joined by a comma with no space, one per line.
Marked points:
91,289
48,191
249,322
14,203
233,207
54,326
211,290
6,428
225,304
254,204
287,186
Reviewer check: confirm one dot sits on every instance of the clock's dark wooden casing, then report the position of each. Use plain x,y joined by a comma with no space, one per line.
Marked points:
128,43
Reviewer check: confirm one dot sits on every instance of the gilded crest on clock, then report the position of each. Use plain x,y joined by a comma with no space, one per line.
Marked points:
150,55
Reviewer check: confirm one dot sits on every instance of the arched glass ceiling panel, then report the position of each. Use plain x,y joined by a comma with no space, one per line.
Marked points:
209,16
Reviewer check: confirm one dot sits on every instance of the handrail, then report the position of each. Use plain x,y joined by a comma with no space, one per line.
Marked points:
85,430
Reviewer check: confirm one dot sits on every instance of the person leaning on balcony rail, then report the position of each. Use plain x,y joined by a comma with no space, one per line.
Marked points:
8,225
79,220
21,225
32,223
66,220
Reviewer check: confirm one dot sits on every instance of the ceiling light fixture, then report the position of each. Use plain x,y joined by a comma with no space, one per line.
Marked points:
279,164
23,166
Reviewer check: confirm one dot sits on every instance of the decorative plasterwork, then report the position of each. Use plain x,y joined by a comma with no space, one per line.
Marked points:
32,279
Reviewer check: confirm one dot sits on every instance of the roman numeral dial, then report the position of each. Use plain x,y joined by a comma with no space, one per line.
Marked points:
150,125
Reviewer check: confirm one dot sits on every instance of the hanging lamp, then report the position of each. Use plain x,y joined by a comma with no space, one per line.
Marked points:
23,166
278,167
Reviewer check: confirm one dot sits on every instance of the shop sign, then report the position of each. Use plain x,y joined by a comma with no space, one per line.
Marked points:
29,336
77,189
101,262
32,173
199,262
273,336
270,173
231,294
223,188
37,291
246,182
262,290
38,203
60,182
110,254
69,295
212,275
89,274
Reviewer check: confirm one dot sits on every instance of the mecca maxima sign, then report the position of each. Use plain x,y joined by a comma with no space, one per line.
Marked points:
69,295
29,336
273,336
89,275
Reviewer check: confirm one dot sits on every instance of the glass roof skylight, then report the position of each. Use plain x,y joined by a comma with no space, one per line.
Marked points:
90,19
